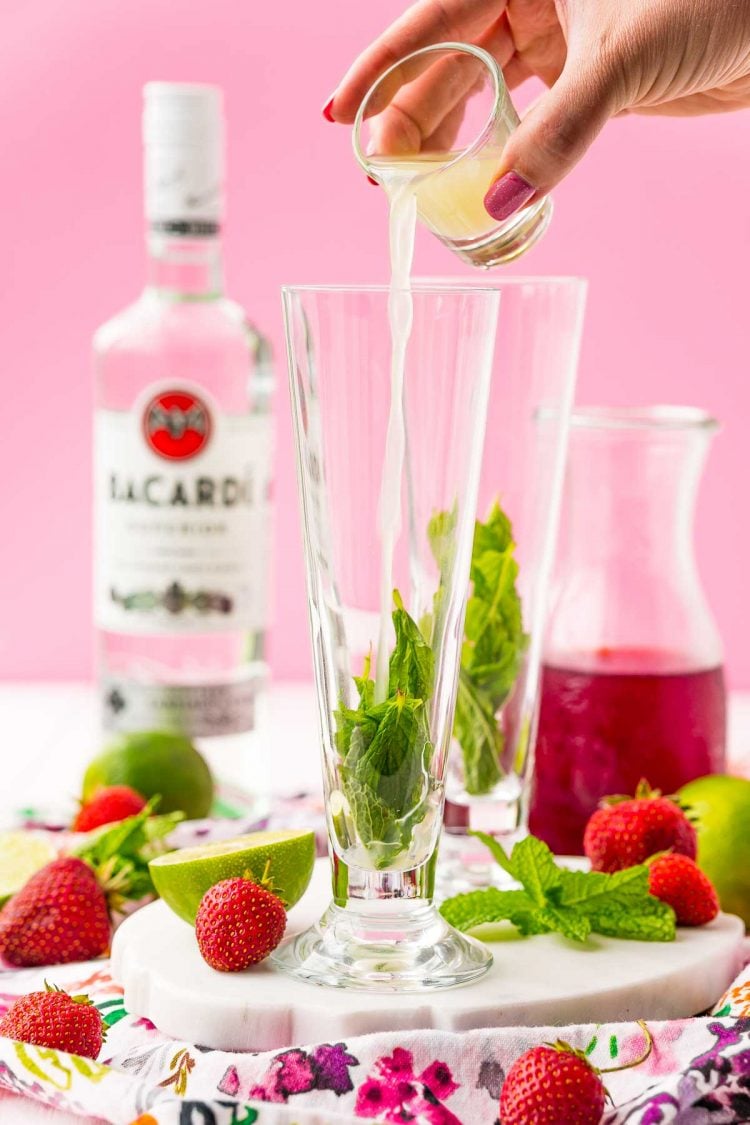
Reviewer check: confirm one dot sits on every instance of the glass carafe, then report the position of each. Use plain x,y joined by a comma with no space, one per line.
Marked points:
632,678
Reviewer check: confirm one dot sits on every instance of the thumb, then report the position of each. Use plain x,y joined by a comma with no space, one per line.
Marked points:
551,139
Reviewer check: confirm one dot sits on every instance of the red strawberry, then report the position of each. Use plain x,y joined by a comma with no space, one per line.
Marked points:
624,832
59,915
238,924
678,881
54,1019
552,1085
113,803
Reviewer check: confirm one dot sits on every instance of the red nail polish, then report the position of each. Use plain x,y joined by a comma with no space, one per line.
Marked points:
371,181
327,111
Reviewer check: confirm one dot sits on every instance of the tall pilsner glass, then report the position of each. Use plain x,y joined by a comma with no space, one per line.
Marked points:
387,624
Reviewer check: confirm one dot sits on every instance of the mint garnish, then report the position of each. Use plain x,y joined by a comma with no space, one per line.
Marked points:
493,649
385,748
573,903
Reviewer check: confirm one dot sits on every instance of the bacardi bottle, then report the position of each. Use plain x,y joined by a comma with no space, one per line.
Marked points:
183,467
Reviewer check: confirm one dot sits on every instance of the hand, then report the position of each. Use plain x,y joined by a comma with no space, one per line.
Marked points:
599,58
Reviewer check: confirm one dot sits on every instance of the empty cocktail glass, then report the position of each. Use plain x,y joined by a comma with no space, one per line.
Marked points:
490,772
452,168
388,490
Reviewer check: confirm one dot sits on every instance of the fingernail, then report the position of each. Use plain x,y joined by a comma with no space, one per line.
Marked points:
326,111
508,195
371,181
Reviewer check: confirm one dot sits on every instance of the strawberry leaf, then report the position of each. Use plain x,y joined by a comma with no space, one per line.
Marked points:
119,853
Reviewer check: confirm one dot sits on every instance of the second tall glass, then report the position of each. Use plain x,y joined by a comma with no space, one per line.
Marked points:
388,484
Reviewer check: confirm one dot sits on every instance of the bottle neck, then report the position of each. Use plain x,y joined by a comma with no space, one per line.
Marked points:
185,267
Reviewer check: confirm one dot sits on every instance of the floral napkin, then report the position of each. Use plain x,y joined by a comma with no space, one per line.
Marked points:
697,1074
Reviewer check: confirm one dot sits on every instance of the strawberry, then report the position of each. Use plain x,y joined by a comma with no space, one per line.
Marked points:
108,805
552,1085
238,924
60,915
624,831
55,1019
678,881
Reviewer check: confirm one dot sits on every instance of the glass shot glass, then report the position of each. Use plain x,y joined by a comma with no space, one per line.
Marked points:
439,119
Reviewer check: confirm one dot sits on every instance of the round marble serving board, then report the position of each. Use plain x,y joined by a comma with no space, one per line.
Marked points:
534,981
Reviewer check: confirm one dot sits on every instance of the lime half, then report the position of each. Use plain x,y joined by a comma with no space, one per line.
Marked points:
21,856
282,861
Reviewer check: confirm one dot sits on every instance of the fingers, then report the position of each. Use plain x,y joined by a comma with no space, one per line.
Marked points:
420,109
427,22
516,72
551,139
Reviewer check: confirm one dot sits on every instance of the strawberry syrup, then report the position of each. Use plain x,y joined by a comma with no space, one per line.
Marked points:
610,718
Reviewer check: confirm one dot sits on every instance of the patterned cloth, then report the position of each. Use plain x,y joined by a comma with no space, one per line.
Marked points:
697,1074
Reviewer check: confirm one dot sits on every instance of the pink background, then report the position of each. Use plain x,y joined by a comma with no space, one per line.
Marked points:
656,218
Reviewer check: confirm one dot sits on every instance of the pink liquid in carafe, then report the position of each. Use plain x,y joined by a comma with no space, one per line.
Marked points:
612,717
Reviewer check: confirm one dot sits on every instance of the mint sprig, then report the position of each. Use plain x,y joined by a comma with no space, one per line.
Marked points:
573,903
492,653
385,748
119,853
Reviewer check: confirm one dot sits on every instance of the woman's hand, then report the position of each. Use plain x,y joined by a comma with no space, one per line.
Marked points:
599,58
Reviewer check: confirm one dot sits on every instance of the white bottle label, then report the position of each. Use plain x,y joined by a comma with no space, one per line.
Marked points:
182,501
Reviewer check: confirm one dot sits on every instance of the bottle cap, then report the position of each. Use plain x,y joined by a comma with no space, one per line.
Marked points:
183,136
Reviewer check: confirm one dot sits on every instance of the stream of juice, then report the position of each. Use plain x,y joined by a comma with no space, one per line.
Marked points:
608,720
402,224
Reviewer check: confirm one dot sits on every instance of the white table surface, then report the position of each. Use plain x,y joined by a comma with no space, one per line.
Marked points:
49,731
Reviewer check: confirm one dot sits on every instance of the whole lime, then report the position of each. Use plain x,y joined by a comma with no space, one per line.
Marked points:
154,762
719,805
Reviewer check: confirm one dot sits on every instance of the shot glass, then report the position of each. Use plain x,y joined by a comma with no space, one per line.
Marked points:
453,167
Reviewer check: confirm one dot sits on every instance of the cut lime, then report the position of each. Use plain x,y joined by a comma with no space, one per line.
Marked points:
282,861
21,856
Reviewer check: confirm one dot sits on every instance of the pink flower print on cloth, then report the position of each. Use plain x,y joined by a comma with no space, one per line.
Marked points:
297,1072
395,1094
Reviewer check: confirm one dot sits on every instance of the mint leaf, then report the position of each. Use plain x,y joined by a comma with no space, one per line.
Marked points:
120,853
497,852
619,905
441,534
565,921
479,735
651,921
492,653
491,905
411,667
593,890
373,819
573,903
533,865
385,749
393,765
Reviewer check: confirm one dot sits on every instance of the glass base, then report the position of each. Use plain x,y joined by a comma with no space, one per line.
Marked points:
386,946
508,241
